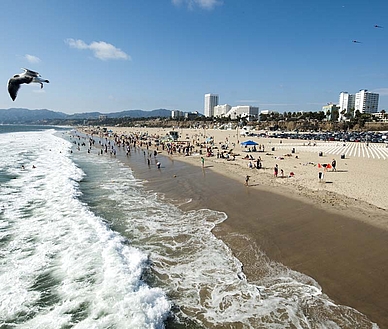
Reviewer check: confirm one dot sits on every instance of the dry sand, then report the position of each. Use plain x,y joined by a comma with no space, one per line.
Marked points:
335,231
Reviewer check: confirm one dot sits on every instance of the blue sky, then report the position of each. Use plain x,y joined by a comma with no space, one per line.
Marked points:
108,56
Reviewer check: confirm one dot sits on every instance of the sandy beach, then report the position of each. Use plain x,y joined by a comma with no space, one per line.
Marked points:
334,229
359,181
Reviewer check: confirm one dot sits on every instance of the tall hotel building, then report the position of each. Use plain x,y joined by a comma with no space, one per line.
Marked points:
346,105
346,101
211,100
366,102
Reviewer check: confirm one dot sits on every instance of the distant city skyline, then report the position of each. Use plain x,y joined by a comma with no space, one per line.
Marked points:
363,101
276,55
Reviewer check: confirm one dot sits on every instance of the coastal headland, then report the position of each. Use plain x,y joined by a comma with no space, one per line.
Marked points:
328,223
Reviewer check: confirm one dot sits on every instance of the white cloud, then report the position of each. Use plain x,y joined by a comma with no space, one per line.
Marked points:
101,50
204,4
381,91
32,59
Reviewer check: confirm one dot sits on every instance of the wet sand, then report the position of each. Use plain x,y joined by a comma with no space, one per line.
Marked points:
346,256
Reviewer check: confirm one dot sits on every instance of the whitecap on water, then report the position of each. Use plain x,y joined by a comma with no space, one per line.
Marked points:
62,266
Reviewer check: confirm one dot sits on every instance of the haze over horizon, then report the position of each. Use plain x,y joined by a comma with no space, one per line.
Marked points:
108,57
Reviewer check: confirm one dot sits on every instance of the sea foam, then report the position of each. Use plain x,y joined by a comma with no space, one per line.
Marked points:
61,264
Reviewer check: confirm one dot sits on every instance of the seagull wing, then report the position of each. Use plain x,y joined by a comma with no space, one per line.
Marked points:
31,73
14,84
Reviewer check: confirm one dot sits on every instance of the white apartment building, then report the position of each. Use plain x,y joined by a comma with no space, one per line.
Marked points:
383,117
346,105
366,102
176,114
331,111
363,101
221,110
244,111
211,100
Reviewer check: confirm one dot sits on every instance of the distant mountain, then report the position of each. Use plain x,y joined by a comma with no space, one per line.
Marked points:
123,114
141,114
85,116
21,115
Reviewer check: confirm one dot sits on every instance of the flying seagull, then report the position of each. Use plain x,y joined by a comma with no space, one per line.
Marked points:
355,41
27,77
378,26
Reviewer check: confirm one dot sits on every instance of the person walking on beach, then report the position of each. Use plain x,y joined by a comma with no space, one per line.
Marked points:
203,161
247,180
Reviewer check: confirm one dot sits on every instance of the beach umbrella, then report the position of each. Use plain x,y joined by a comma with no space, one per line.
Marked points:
249,142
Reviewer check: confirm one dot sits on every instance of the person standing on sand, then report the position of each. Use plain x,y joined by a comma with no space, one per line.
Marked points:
258,163
275,170
320,176
333,164
203,161
247,180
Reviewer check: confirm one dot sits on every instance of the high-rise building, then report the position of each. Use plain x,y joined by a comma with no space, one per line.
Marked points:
366,102
346,106
211,100
363,101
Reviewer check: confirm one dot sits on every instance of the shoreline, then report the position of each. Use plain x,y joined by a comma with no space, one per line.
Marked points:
343,249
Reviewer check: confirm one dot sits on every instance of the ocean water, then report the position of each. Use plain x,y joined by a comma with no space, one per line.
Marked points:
83,244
